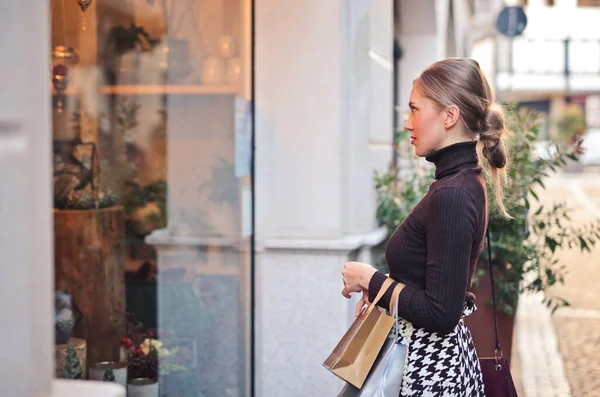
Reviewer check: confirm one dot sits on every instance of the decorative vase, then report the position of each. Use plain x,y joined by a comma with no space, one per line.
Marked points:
142,387
213,71
234,70
177,60
83,4
63,60
119,370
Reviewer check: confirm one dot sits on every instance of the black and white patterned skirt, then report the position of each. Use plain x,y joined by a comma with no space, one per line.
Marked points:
441,366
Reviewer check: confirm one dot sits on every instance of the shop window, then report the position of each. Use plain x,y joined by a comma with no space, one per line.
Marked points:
152,130
588,3
548,3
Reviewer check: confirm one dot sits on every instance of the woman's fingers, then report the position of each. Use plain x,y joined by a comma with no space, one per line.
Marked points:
346,293
359,307
349,287
364,300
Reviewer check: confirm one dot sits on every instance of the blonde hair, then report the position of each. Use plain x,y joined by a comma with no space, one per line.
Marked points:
460,82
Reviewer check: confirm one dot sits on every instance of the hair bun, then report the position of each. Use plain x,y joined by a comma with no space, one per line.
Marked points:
493,123
491,136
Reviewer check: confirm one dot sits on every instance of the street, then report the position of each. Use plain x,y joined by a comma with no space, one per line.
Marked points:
562,360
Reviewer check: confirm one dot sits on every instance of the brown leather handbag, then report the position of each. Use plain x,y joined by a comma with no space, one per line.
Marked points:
497,379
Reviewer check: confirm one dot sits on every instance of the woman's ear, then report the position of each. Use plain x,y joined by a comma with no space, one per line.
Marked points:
452,116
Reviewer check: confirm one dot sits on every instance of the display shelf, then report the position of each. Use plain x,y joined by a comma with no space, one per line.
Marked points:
139,89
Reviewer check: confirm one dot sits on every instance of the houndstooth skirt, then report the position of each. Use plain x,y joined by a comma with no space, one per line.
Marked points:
441,366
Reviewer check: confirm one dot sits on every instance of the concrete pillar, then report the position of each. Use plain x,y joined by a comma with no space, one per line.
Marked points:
323,122
26,280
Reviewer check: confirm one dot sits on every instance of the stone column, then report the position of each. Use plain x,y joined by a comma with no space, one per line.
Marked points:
323,122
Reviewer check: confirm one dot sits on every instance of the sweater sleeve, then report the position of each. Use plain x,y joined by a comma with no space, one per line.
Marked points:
450,229
375,285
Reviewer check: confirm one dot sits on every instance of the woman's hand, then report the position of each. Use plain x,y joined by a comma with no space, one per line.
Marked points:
364,301
356,277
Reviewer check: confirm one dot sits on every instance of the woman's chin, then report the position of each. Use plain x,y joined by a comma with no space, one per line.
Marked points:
421,152
417,150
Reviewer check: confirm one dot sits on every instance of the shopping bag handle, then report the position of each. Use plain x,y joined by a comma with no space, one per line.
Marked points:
386,284
394,301
394,308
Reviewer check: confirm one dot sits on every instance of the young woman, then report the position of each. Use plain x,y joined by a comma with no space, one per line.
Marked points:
433,252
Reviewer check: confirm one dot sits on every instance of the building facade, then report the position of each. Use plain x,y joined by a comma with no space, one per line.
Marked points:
239,138
554,62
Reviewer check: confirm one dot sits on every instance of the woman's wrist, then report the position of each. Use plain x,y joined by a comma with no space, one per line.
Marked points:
367,277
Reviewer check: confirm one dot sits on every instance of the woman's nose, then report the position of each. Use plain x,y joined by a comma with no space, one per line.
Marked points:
408,124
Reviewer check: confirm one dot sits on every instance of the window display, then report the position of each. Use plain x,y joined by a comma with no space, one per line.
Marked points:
152,130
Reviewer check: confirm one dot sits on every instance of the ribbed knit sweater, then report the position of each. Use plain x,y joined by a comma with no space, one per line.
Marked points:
434,250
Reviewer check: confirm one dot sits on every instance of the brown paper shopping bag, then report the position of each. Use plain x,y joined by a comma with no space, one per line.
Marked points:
356,352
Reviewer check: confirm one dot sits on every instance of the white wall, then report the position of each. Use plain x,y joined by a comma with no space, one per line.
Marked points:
381,101
323,122
26,255
324,109
298,118
422,40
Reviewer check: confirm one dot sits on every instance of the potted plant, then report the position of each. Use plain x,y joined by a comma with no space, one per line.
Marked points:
72,369
571,127
525,247
176,63
124,46
150,359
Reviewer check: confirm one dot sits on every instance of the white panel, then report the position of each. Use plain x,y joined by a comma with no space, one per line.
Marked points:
298,118
585,83
584,56
560,22
381,69
529,82
417,56
382,104
356,203
382,24
417,17
26,255
538,56
316,76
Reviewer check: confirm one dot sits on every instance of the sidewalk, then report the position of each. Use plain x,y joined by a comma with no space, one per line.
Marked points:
559,355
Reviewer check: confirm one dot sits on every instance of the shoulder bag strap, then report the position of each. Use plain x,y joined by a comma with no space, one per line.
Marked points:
489,246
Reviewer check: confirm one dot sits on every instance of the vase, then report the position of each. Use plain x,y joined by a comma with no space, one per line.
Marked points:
142,387
119,370
213,71
177,56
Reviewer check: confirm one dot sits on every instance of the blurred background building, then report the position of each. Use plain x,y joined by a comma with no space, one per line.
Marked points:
555,62
249,131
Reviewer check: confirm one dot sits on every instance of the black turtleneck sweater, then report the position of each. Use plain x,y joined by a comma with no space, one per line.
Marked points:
435,249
